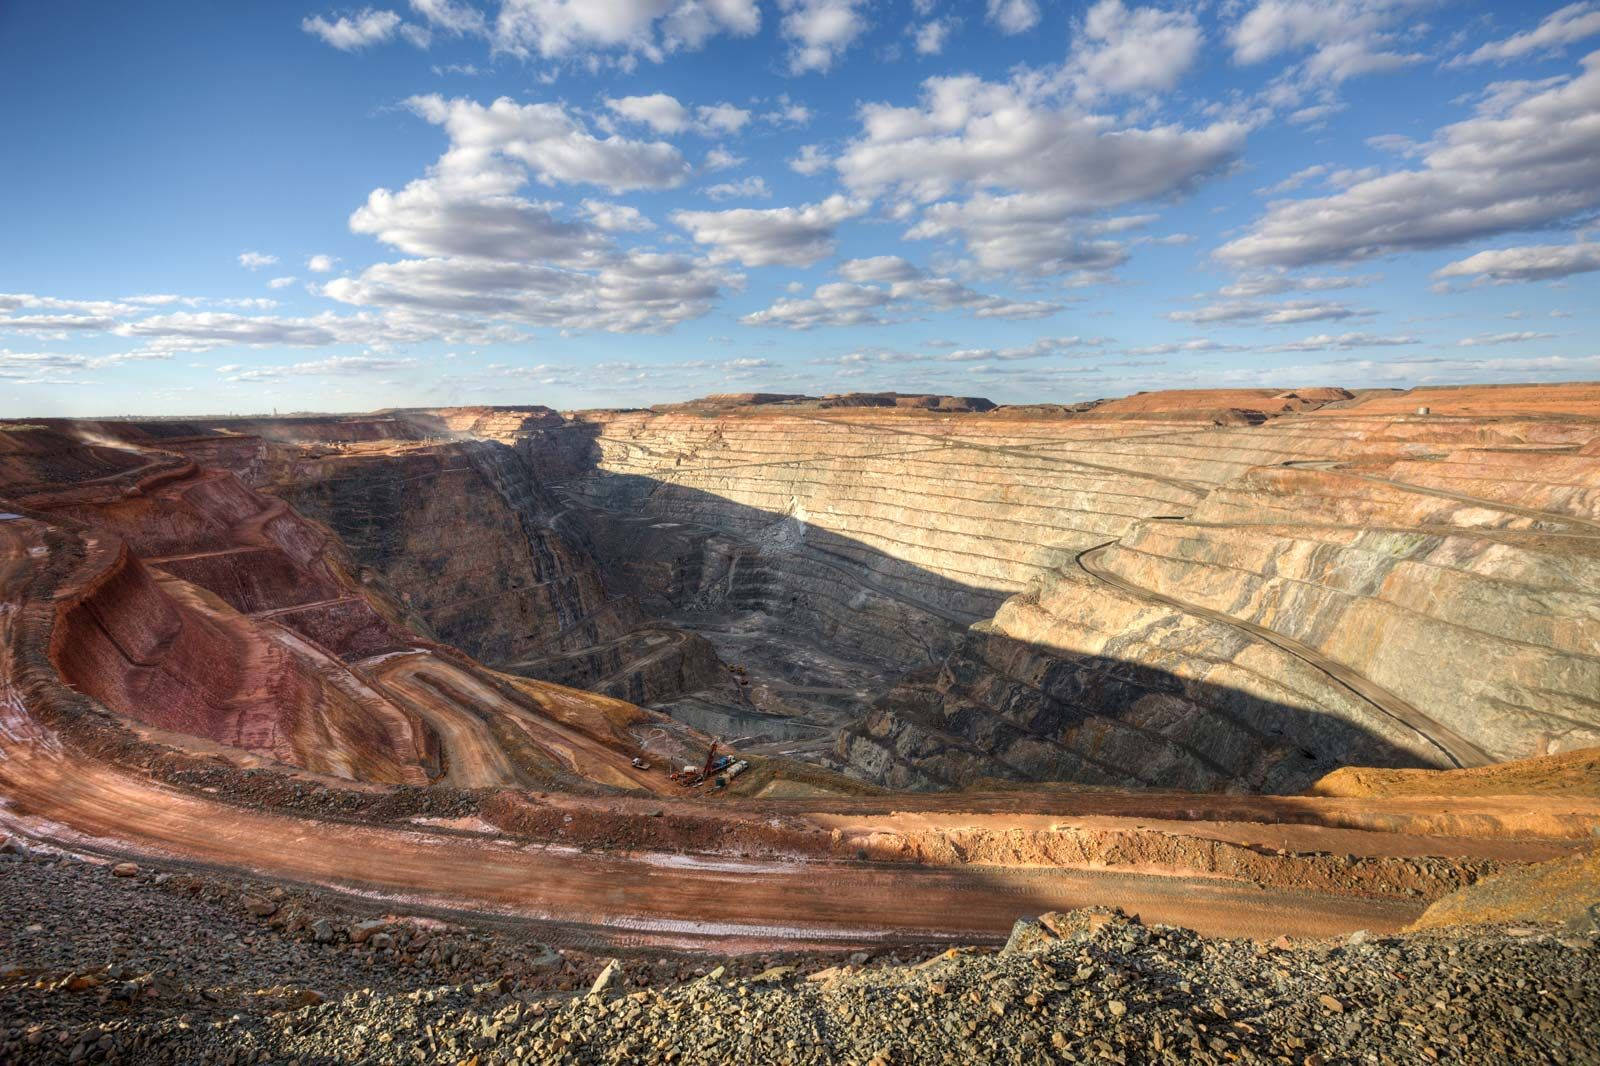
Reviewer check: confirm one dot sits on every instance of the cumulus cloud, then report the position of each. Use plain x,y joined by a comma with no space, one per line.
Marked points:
1513,166
351,33
550,142
1032,168
929,38
1035,233
472,213
887,288
1557,30
819,31
1537,262
722,118
451,16
203,331
1482,339
1297,179
1143,49
1034,171
1273,283
788,113
721,159
879,268
1271,314
659,111
256,260
779,236
321,264
746,188
56,323
811,160
1184,347
557,29
633,292
282,283
1012,16
1325,342
617,218
1339,38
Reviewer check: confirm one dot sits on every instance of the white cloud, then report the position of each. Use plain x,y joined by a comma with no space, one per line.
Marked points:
633,292
788,113
659,111
885,289
878,268
1194,344
556,29
321,264
1344,38
722,118
282,283
929,38
1034,233
351,33
216,328
811,160
721,159
462,212
1145,49
1558,29
779,236
1482,339
616,218
1326,342
747,188
819,31
256,260
451,16
1297,179
970,132
1273,283
1538,262
1012,16
833,304
1534,163
552,144
1033,169
1272,314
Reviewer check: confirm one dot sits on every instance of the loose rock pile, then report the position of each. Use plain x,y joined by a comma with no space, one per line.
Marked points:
103,963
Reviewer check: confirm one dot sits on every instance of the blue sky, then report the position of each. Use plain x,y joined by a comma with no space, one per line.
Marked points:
216,208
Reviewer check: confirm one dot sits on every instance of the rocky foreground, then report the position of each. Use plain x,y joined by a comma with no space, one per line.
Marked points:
102,963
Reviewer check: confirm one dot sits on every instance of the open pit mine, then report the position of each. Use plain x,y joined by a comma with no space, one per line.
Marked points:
1225,726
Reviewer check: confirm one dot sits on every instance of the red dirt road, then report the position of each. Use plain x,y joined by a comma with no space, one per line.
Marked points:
634,898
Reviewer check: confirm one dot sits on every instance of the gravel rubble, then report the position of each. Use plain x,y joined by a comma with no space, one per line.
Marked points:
102,963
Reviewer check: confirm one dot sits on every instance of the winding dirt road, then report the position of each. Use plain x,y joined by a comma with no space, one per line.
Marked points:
629,897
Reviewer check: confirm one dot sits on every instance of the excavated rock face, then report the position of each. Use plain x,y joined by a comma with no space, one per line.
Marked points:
1128,601
1148,592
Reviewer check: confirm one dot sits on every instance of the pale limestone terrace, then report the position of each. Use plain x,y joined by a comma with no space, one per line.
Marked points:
1408,552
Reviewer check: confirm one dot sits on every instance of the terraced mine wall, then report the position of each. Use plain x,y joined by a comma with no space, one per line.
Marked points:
1192,603
1141,601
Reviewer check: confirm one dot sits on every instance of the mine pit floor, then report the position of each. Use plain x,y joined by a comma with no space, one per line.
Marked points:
793,694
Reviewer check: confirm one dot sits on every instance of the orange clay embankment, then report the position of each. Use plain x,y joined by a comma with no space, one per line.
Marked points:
1573,773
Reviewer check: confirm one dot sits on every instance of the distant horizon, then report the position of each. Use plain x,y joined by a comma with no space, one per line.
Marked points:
313,413
427,203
